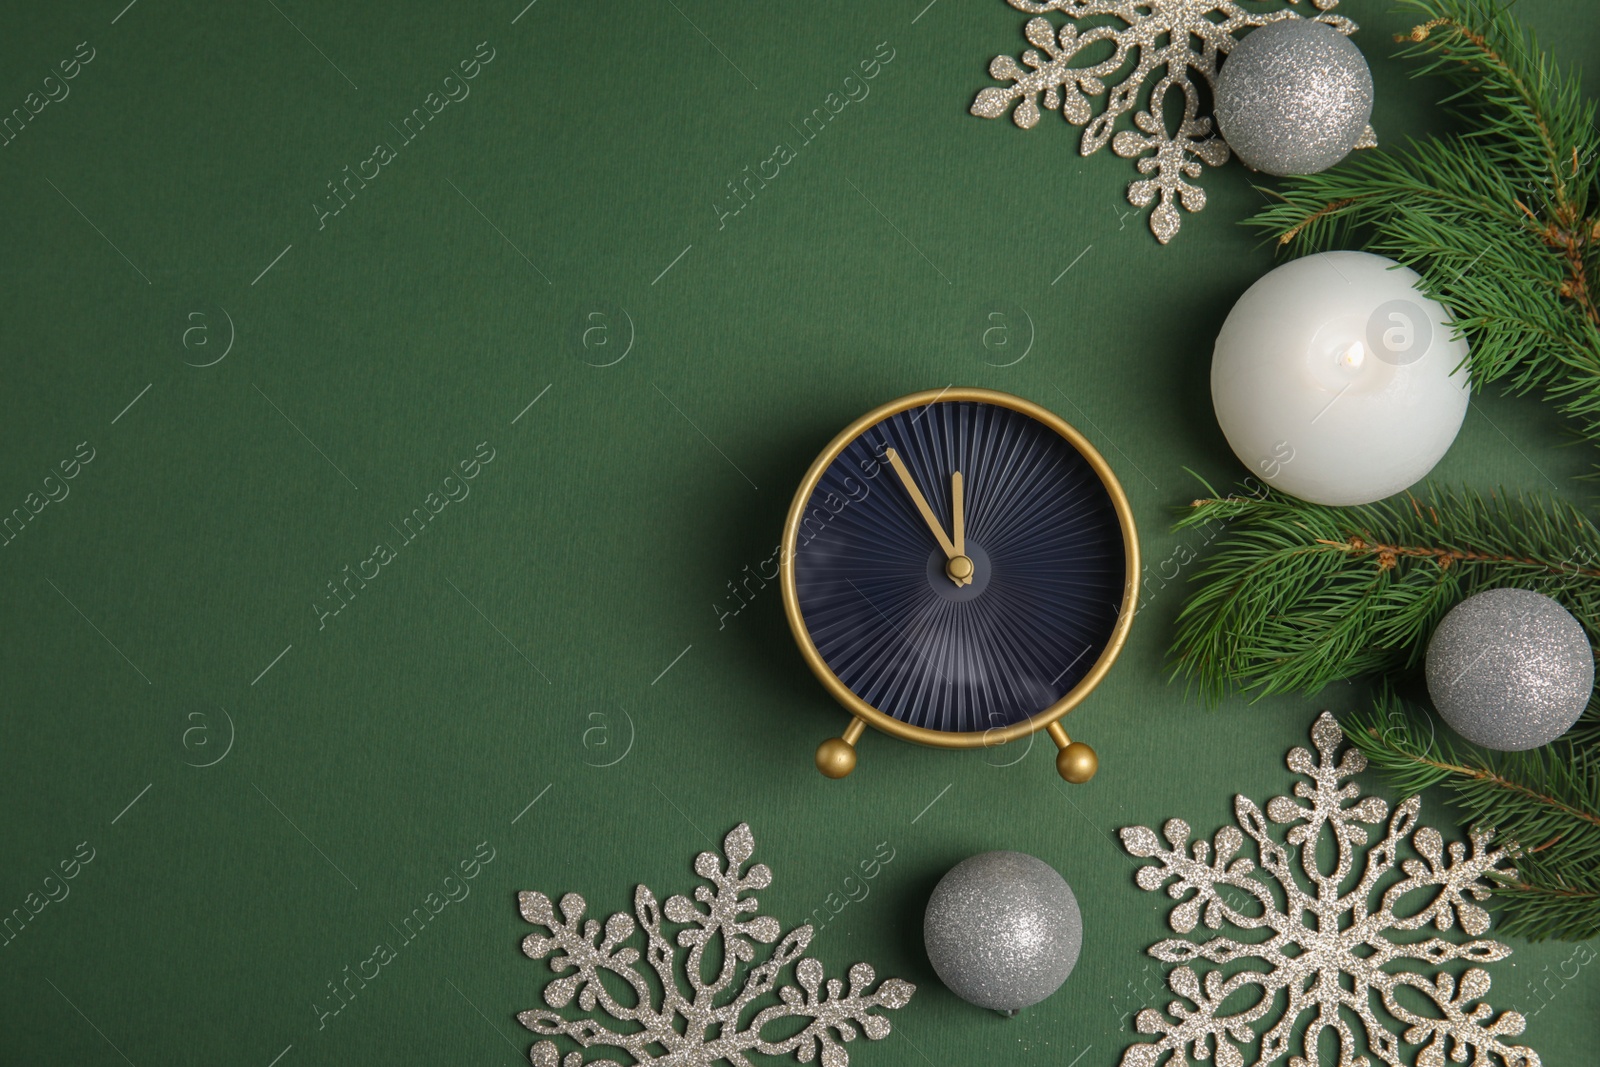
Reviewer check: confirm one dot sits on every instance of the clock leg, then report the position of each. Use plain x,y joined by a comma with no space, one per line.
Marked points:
1076,762
836,757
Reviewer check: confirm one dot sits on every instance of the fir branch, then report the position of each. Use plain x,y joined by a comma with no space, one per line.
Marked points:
1295,595
1500,222
1546,801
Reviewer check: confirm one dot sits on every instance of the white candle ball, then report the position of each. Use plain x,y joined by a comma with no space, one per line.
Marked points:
1335,380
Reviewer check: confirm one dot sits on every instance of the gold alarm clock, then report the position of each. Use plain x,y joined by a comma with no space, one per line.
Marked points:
960,569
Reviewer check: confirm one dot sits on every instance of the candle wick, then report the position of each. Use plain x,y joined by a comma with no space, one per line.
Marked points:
1355,355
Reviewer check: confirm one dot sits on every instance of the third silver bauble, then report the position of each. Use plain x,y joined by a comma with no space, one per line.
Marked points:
1294,97
1510,669
1003,930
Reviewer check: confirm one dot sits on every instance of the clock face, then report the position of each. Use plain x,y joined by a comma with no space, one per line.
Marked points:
960,565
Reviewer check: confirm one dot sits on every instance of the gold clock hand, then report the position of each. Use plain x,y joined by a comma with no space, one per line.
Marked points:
921,502
959,568
962,574
958,522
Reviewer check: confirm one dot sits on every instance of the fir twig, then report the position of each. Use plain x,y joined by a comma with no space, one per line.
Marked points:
1297,595
1546,801
1500,222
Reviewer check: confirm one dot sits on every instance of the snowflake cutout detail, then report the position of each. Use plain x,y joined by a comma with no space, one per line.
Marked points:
1328,936
714,1026
1177,38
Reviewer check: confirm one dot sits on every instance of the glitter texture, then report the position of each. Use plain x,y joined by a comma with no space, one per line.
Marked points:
1510,669
1325,949
714,1024
1174,40
1002,930
1294,98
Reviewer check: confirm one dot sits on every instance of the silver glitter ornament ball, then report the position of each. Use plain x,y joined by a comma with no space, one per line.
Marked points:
1510,669
1003,930
1294,97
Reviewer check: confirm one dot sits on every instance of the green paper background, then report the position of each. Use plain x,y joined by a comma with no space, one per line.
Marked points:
574,610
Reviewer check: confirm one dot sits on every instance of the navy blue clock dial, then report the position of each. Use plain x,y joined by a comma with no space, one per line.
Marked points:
1035,608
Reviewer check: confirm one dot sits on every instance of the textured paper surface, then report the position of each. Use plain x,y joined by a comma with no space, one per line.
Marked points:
569,606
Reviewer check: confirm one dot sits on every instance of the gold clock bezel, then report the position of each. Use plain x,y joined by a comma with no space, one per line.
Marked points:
966,739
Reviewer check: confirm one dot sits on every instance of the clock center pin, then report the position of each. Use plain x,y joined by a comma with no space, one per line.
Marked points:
950,581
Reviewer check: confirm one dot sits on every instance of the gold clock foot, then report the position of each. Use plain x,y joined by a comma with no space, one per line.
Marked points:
836,757
1076,762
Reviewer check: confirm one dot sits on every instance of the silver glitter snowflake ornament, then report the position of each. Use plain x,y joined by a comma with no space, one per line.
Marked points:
1175,39
718,1021
1325,949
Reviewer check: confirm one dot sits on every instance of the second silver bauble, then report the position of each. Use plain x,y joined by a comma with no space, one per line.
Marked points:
1003,930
